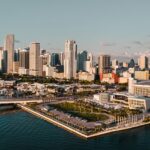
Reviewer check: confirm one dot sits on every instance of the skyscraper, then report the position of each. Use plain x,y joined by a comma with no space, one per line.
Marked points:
70,60
9,47
114,63
89,63
81,60
24,59
143,62
1,59
34,59
104,65
61,58
55,59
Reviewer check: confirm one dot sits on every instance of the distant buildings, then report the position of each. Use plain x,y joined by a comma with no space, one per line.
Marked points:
9,47
24,59
61,58
69,64
34,59
104,65
143,62
142,75
114,63
1,59
70,59
55,59
81,60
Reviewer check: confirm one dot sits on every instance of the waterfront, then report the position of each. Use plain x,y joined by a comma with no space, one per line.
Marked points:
21,130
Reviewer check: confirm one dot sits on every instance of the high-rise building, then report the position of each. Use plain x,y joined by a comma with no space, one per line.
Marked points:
55,59
4,61
114,63
131,64
16,55
104,65
81,60
34,59
70,60
143,62
24,59
9,47
61,58
1,59
89,63
46,59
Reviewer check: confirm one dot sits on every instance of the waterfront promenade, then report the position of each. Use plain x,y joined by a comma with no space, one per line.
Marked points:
74,131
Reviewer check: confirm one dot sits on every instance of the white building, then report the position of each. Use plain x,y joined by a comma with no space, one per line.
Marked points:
131,83
70,60
139,102
34,59
143,62
101,98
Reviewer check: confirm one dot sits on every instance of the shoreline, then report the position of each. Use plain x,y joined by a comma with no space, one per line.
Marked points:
76,132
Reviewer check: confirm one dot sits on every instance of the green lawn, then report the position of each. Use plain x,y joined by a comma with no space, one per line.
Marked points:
80,110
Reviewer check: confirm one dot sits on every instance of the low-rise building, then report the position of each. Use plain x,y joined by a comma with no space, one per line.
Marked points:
142,75
141,88
138,102
101,98
123,80
23,71
86,76
121,98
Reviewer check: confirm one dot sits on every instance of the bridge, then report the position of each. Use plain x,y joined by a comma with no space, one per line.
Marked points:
20,101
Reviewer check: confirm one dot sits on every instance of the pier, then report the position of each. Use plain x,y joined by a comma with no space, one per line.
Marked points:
78,133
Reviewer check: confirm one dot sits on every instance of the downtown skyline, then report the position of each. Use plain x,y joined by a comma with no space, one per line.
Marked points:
118,28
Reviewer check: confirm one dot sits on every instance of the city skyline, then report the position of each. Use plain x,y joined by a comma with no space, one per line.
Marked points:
97,26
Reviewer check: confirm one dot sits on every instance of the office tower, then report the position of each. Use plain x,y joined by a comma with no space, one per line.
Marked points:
114,63
61,58
1,59
89,63
70,60
81,60
104,65
131,64
16,54
24,59
143,62
34,59
16,67
4,62
55,59
9,47
48,59
45,59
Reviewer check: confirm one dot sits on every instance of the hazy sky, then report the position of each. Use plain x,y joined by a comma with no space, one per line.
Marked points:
111,26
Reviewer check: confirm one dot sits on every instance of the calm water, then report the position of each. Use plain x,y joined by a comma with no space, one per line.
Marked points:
22,131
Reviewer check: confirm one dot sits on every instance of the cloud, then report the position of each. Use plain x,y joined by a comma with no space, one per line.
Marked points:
108,44
138,43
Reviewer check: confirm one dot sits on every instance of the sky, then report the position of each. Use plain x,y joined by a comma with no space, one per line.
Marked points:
117,27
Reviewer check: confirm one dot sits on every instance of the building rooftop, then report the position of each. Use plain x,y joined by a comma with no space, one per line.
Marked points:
144,83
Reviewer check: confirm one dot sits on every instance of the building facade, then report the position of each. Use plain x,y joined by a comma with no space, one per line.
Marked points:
104,65
70,59
9,47
34,59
